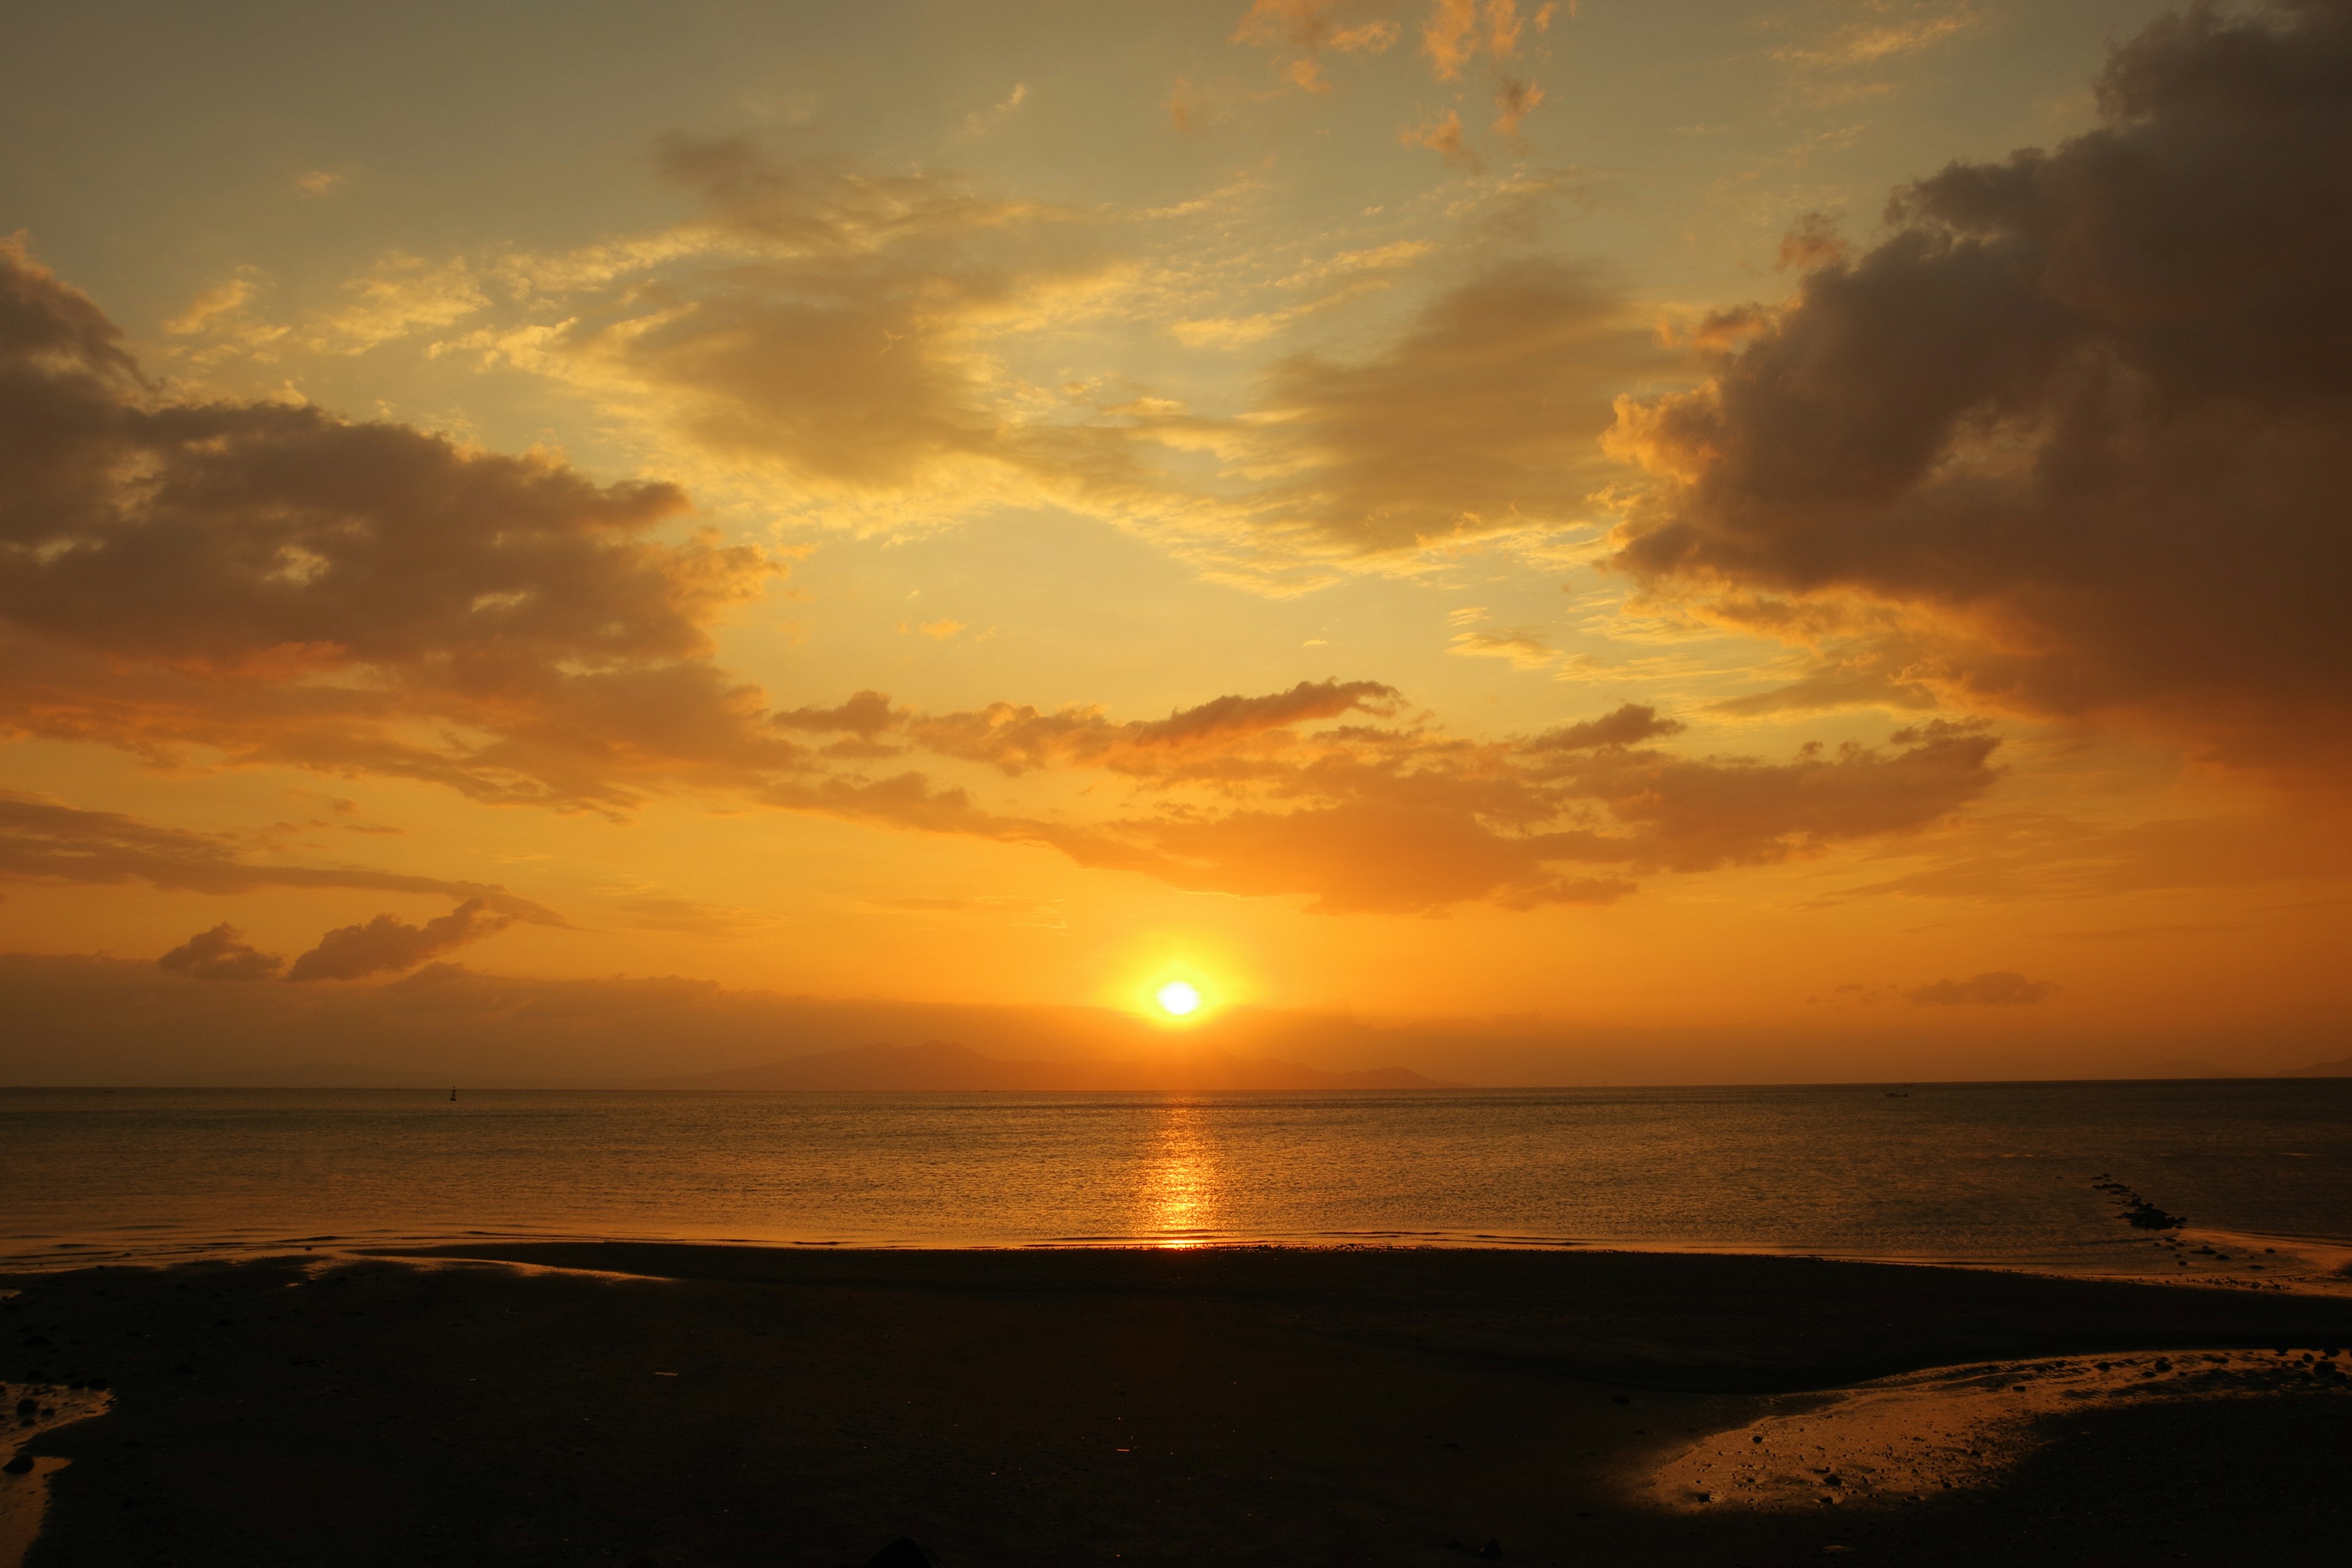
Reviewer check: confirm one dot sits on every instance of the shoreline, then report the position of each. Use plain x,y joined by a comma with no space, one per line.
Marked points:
704,1407
2292,1265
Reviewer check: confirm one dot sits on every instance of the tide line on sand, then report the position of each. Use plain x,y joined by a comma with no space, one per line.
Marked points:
29,1410
1899,1439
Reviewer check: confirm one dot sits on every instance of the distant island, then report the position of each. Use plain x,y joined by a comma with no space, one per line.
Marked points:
2341,1068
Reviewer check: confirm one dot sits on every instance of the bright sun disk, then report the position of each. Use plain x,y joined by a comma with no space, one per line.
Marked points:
1178,998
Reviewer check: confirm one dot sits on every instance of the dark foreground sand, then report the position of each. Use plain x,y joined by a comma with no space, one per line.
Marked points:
629,1404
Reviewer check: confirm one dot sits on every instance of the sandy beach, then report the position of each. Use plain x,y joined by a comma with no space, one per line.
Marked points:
678,1406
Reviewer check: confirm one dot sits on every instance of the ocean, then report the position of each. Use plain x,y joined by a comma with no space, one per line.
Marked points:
1984,1174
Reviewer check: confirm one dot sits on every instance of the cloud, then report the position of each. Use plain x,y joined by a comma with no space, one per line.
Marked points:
1336,280
1186,107
1812,241
2070,441
43,841
854,346
1994,988
385,945
220,953
2007,856
267,583
996,117
223,583
1441,134
1016,739
1454,35
865,714
1299,31
823,322
398,296
1481,418
1879,37
1865,681
1628,726
1404,819
1515,100
1523,647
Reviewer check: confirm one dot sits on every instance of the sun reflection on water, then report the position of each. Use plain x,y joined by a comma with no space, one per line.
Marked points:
1181,1193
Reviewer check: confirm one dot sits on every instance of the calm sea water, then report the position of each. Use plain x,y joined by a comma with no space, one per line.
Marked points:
1983,1173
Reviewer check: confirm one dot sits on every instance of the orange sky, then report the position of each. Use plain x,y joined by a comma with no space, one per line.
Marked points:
1647,517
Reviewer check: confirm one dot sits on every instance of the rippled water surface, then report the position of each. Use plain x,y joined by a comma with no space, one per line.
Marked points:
1984,1172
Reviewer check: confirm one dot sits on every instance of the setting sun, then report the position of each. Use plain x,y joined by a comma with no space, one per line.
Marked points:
1177,999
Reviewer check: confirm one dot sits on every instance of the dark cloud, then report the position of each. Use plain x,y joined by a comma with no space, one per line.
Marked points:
220,953
42,841
865,714
1994,988
1629,725
268,583
385,945
2072,440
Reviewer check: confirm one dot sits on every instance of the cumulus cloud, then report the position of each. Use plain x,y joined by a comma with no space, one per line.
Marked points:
386,945
267,583
1994,988
220,953
2071,440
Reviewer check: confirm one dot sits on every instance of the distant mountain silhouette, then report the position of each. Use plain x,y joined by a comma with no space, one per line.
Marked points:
2341,1068
2184,1066
940,1065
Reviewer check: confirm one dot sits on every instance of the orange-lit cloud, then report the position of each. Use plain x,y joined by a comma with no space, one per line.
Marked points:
1994,988
1298,31
44,841
1403,818
1483,418
242,582
265,581
386,945
1886,30
1457,31
220,953
1515,100
838,338
2072,441
1441,134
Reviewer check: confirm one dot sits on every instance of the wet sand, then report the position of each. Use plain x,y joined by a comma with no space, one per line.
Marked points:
679,1407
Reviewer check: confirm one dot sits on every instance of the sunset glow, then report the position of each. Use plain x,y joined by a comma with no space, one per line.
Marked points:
1178,999
1390,782
1585,533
